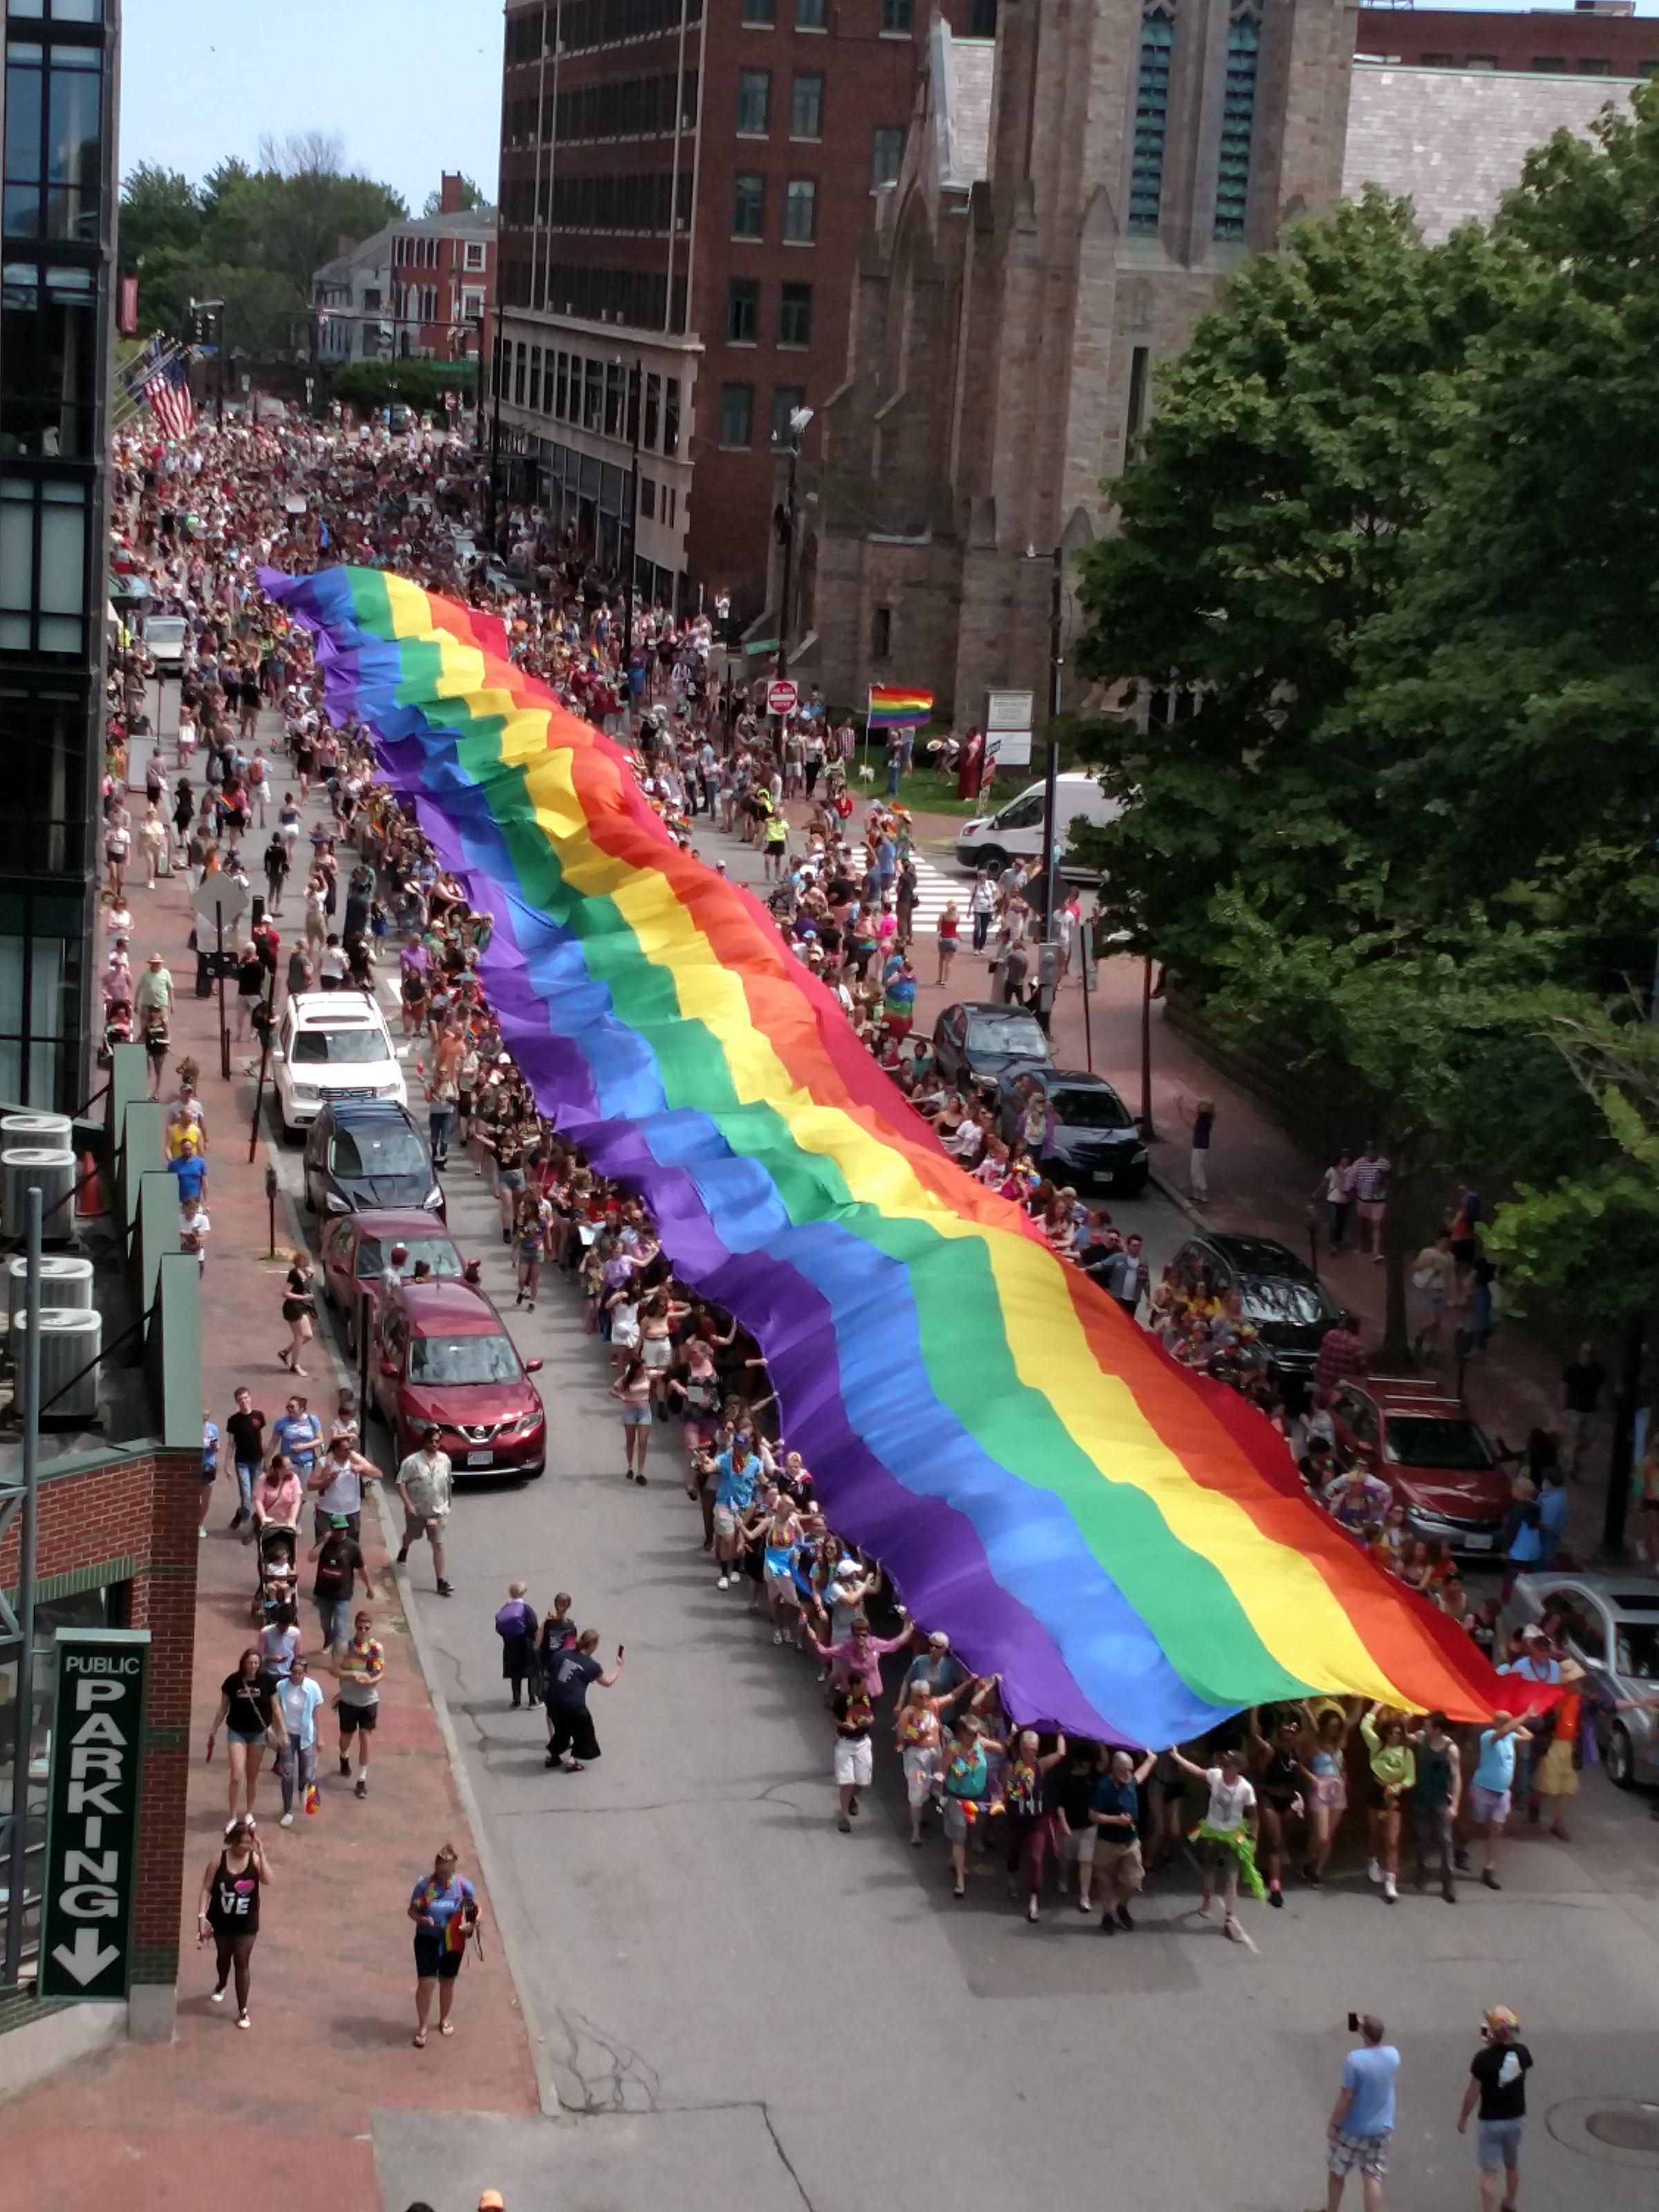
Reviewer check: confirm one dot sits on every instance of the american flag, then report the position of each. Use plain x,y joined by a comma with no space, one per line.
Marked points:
160,379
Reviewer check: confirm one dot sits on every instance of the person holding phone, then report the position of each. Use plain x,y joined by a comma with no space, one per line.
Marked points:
571,1742
1362,2121
444,1906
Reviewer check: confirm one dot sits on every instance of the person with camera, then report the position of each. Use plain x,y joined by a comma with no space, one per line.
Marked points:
444,1906
1362,2120
1497,2083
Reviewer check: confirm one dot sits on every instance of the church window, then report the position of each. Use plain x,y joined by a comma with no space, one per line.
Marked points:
1232,176
1151,119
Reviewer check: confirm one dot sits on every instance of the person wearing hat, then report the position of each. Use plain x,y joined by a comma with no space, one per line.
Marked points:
1497,2085
339,1567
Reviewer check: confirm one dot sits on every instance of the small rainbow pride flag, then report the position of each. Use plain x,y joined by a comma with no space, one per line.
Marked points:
891,709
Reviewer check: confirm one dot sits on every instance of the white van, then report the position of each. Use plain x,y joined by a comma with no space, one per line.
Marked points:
1014,832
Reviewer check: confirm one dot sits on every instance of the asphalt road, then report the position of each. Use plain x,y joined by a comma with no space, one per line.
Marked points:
736,2005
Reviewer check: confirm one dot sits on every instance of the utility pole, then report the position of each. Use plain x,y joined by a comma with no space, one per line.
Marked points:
16,1871
1051,768
635,407
494,432
785,518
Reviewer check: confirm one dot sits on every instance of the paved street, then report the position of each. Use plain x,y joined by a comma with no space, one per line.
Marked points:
694,1940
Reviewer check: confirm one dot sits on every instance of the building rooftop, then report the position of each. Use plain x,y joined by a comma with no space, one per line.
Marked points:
1453,140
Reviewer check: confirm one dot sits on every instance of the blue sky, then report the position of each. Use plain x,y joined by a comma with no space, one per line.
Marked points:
411,86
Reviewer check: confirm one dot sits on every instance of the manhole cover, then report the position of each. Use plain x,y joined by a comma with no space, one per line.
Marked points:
1626,2127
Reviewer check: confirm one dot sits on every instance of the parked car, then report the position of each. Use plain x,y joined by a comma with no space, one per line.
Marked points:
442,1356
1433,1455
164,637
368,1154
1610,1625
975,1042
331,1044
1090,1139
1280,1295
357,1251
1014,832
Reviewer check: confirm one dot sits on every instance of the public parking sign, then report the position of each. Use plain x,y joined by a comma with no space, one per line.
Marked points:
781,697
92,1824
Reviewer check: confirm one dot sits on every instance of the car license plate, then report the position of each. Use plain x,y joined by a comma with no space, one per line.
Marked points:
481,1459
1478,1543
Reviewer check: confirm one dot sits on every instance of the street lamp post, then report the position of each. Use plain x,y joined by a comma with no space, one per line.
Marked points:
798,419
631,517
1051,767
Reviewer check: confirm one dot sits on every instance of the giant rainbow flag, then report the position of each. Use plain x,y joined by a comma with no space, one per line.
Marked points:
1125,1543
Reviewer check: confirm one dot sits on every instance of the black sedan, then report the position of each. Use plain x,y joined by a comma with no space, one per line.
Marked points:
1279,1295
368,1154
973,1044
1075,1126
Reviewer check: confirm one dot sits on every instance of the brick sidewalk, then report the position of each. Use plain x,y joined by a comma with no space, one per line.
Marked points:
276,2116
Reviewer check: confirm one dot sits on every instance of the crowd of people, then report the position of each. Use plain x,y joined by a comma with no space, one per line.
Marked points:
1263,1801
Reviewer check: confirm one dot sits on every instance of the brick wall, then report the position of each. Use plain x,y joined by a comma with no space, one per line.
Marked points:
134,1519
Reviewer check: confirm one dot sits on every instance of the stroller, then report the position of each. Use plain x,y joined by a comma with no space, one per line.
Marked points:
276,1551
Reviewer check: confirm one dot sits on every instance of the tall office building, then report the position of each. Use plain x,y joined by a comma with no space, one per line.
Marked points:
684,185
59,130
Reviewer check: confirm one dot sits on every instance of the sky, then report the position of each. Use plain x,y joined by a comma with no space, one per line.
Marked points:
411,86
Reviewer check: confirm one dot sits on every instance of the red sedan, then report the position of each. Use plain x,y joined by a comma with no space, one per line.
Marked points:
1433,1454
357,1252
442,1356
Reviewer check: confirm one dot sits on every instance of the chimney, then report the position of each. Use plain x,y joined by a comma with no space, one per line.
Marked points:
449,193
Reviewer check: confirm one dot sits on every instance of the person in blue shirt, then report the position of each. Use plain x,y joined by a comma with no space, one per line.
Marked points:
1114,1815
295,1433
444,1906
1552,1516
1362,2120
191,1170
738,1470
209,1464
1492,1783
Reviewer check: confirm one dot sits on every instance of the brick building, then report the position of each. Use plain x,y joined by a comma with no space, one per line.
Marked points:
421,288
1597,38
683,190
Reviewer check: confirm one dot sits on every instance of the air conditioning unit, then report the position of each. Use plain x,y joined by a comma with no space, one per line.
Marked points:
65,1280
53,1129
50,1170
72,1340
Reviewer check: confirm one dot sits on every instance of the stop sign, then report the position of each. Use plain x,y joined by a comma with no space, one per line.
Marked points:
781,697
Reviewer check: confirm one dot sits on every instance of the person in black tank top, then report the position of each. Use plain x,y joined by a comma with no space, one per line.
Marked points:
1283,1788
229,1909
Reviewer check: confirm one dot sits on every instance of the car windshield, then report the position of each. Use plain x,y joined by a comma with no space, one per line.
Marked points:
440,1255
1089,1109
1281,1298
332,1048
391,1149
1637,1650
165,630
462,1359
1439,1440
1014,1034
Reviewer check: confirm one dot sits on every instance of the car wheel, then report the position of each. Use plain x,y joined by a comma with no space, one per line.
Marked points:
991,856
1620,1760
290,1132
1136,1187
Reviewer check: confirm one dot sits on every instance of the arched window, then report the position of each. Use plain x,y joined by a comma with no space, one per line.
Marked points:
1151,117
1232,176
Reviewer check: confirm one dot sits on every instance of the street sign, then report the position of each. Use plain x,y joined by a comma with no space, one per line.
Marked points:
91,1821
1008,710
781,697
1008,748
223,892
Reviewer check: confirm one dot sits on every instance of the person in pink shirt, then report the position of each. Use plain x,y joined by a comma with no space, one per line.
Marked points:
859,1659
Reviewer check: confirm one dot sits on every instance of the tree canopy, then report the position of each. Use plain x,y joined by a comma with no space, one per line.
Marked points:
251,237
1381,586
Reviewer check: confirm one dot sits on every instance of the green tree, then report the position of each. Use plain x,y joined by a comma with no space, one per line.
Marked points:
417,384
161,211
1293,455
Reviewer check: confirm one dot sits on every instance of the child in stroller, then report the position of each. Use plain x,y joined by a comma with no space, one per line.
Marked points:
277,1551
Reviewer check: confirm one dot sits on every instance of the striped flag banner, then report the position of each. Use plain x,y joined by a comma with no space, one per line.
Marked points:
890,708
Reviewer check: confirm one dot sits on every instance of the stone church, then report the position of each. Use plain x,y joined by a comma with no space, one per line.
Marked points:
1071,199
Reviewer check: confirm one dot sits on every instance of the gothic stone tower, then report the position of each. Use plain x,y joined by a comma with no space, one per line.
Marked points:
1137,151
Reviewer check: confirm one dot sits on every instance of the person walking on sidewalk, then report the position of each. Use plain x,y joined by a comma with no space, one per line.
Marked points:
360,1665
1368,1179
247,1713
229,1909
444,1906
1362,2121
301,1699
338,1482
1497,2084
1583,1379
425,1483
339,1565
1202,1119
299,1311
245,1440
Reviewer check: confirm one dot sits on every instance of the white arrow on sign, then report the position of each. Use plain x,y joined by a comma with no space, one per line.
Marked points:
84,1960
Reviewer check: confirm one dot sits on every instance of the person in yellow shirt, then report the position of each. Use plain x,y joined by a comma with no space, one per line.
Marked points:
1394,1772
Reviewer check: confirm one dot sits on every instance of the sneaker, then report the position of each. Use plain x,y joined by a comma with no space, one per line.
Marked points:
215,1996
1373,1870
1390,1895
1108,1926
242,2021
724,1582
1310,1875
1447,1891
345,1766
286,1820
1123,1919
1275,1895
446,1590
844,1823
403,1553
363,1786
1490,1879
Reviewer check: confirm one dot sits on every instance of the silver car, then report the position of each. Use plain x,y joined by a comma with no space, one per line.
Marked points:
1610,1623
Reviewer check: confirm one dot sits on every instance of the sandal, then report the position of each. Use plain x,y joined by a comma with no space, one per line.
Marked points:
446,2028
420,2038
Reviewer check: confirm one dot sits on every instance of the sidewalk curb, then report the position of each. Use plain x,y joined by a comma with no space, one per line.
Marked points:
1179,1199
547,2072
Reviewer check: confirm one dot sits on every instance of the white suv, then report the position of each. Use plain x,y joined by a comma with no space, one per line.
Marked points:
331,1044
